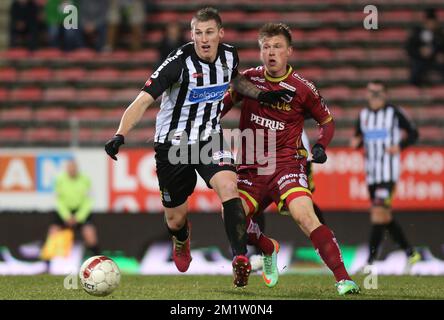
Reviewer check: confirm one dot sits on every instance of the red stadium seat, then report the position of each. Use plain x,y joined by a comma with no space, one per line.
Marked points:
358,34
46,134
430,133
351,54
387,54
15,54
248,54
399,15
435,92
60,94
94,94
311,73
327,34
69,74
11,133
235,16
40,73
57,113
232,35
316,54
17,113
344,73
107,74
155,36
141,135
298,16
87,113
382,73
47,54
26,94
149,55
339,92
141,75
391,34
3,94
404,92
82,55
330,16
125,94
8,74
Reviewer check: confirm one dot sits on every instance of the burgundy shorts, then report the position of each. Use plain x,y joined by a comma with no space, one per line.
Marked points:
284,185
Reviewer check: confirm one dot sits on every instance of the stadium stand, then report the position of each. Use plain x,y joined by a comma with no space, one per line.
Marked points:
46,95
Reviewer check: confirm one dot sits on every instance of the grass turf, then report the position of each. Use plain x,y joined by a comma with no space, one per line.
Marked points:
220,288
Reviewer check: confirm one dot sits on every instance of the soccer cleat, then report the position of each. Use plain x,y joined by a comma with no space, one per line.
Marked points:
270,273
414,258
181,252
347,287
241,271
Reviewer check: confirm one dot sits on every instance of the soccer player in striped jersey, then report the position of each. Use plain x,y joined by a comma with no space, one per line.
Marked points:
378,130
188,138
286,185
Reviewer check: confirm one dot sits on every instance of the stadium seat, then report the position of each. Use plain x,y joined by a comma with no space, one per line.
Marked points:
384,73
55,113
26,94
404,92
94,94
137,75
46,134
8,74
87,113
328,34
350,54
47,54
107,74
16,113
358,34
39,74
11,133
69,74
311,73
81,55
60,94
146,55
344,73
15,54
339,92
323,54
435,92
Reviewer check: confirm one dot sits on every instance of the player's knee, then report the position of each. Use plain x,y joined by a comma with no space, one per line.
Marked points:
228,190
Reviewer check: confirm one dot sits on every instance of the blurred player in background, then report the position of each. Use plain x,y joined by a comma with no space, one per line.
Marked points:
378,130
193,81
287,186
73,206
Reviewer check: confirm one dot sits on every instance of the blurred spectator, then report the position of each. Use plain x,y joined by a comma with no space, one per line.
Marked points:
58,36
93,23
132,11
24,25
425,47
74,204
172,39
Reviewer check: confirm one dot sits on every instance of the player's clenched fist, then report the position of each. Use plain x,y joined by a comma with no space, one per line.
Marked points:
318,154
112,146
271,97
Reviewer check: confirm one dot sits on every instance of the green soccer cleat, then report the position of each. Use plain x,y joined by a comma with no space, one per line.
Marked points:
347,287
270,273
414,258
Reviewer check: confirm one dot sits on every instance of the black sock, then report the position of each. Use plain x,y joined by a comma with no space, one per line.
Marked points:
235,226
376,235
260,220
181,234
319,213
398,236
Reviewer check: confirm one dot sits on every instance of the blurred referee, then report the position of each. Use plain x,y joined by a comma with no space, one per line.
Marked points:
378,130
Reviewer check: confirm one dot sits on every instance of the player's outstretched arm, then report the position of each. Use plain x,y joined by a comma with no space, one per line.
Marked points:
248,89
130,119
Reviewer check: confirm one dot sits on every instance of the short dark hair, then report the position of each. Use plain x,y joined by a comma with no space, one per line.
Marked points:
207,14
378,82
274,29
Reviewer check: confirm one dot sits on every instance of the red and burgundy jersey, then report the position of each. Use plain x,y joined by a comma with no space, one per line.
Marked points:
284,119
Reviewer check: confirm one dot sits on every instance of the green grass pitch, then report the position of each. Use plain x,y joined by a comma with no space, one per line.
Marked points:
191,287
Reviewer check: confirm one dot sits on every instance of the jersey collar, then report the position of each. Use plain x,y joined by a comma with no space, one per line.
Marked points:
273,79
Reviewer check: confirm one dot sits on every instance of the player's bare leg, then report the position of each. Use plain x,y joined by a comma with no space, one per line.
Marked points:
225,185
179,228
323,239
89,234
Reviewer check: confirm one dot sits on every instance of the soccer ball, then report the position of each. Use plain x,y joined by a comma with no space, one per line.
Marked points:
99,276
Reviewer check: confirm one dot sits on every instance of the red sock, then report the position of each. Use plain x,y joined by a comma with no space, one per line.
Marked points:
257,238
327,247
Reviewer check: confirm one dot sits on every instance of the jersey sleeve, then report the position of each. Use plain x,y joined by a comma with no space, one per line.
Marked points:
409,127
235,71
317,107
165,76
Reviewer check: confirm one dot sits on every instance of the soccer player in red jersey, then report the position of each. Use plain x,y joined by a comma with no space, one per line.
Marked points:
284,183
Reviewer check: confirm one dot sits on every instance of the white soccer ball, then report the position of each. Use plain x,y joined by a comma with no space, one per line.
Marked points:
99,276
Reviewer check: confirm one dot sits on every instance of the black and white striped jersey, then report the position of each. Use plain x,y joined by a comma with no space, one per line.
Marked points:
381,129
193,92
